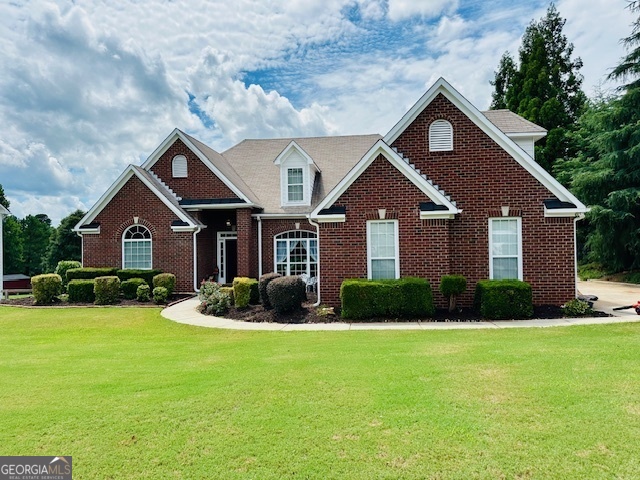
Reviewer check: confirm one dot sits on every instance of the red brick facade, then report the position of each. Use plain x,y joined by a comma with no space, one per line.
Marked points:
171,251
478,174
200,183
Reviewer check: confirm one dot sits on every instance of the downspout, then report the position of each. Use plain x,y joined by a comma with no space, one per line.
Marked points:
195,260
575,248
259,245
81,248
317,304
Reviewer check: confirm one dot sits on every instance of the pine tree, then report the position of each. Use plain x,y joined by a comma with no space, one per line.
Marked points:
13,246
545,88
3,200
36,232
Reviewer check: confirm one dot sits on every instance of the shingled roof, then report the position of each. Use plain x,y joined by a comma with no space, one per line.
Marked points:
510,122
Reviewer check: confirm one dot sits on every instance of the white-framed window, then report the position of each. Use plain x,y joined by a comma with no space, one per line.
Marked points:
296,252
179,166
440,136
505,248
136,248
295,185
383,259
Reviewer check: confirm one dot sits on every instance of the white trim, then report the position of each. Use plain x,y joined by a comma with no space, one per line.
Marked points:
267,216
189,228
319,279
221,247
333,218
257,217
285,162
150,240
3,213
520,252
104,200
286,152
87,231
397,246
564,212
437,215
196,280
177,134
382,148
214,206
441,86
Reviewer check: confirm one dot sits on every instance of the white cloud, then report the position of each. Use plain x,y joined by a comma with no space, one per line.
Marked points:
402,9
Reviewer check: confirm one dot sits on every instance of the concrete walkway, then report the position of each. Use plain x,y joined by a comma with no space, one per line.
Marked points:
610,295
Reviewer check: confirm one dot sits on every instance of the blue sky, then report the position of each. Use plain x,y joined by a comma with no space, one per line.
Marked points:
87,87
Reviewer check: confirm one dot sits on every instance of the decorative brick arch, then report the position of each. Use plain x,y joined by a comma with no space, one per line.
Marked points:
128,223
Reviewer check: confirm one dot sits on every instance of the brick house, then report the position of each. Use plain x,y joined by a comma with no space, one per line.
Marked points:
449,189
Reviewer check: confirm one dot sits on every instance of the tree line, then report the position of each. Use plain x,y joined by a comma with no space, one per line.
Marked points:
33,246
592,145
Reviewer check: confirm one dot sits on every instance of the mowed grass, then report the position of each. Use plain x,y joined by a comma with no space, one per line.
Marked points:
131,395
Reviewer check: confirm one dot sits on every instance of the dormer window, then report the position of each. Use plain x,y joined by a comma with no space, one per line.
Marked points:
179,166
297,175
440,136
295,185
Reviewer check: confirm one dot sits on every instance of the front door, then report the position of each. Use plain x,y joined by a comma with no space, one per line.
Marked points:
227,256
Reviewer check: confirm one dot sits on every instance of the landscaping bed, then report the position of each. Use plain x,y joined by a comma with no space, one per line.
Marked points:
28,301
310,314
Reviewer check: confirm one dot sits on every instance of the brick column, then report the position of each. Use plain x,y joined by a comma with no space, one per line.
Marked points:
245,242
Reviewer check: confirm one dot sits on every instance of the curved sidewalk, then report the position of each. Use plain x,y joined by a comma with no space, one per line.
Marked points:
185,312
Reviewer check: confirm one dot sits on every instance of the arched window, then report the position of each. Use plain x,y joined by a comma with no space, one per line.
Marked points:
179,166
440,136
296,252
136,248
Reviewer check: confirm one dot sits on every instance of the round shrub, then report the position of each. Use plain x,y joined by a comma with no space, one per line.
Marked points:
451,286
129,288
143,293
107,290
286,294
81,291
214,299
160,295
63,266
262,288
46,288
576,308
166,280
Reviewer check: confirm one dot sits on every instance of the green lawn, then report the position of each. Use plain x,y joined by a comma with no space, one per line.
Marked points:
131,395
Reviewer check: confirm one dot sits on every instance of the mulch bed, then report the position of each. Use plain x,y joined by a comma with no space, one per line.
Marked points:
308,314
29,302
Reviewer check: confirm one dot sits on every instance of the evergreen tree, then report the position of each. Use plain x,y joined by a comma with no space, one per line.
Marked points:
3,200
606,171
64,244
545,88
13,244
36,232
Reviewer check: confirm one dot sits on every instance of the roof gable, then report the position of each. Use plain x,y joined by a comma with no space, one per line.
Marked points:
442,87
210,158
293,146
167,197
447,208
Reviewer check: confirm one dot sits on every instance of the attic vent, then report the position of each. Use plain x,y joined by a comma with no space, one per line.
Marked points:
440,136
179,166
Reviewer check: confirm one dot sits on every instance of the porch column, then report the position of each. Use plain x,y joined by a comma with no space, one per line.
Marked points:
245,241
3,213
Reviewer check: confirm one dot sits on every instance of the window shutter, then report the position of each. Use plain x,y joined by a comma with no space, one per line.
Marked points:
179,166
440,136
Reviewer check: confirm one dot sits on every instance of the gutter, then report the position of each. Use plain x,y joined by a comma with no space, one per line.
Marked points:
575,248
314,224
259,218
195,259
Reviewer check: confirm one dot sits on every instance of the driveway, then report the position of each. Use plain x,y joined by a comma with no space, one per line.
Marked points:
610,295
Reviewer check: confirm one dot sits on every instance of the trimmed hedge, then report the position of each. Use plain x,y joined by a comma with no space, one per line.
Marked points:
160,295
65,265
129,273
503,299
286,294
262,288
366,299
245,291
143,293
129,287
46,287
81,291
166,280
228,291
89,273
107,290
